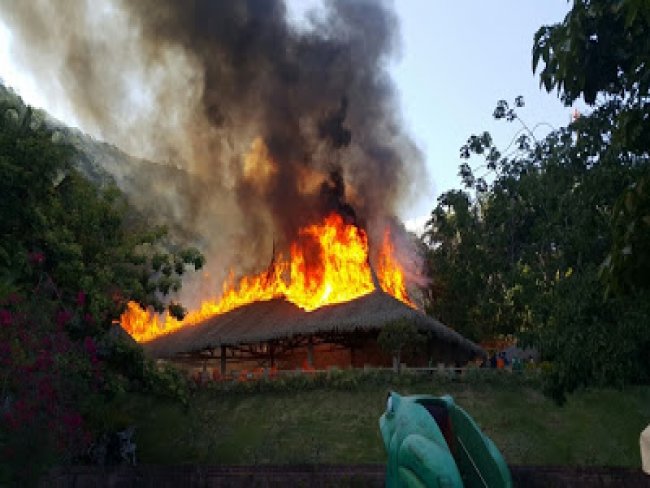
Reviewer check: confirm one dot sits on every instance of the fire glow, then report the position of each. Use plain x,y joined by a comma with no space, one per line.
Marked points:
329,264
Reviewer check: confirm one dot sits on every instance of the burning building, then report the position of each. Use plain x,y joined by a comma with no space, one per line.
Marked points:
281,136
277,333
323,306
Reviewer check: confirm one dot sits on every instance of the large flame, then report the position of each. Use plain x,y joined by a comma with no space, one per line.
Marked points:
389,272
329,264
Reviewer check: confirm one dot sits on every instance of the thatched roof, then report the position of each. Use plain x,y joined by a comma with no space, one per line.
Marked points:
278,319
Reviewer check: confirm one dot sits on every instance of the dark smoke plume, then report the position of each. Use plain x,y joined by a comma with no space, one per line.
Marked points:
270,117
331,127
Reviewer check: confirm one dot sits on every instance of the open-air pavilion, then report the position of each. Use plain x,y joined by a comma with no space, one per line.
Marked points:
277,333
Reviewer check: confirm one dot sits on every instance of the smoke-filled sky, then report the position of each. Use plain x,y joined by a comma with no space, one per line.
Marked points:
453,61
196,83
283,112
277,125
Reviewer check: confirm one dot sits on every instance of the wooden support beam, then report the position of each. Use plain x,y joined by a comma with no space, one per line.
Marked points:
310,352
223,359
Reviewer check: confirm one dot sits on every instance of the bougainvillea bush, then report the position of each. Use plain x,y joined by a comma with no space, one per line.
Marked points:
49,384
71,255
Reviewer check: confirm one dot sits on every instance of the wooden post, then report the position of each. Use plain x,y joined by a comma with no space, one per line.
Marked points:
272,353
223,359
310,352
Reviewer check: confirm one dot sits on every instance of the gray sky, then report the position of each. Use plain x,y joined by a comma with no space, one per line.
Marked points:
458,58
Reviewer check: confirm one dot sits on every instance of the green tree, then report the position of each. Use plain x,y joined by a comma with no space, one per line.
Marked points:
87,240
601,52
547,214
398,337
71,256
495,247
502,250
600,48
626,269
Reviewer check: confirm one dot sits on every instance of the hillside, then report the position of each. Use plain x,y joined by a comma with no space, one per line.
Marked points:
147,184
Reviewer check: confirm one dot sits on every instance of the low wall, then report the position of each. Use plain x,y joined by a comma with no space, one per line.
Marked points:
315,476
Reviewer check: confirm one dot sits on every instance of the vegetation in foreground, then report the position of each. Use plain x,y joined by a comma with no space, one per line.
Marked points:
71,256
338,422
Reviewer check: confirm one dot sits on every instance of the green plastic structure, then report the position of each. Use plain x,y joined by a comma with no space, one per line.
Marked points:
431,442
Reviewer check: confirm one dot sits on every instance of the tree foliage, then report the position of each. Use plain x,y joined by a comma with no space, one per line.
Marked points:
549,238
601,47
627,267
398,337
71,256
84,238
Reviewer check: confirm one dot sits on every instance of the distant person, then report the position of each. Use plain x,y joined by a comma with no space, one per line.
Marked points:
205,376
501,363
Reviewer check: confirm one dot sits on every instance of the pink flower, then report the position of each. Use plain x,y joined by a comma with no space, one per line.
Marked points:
81,298
11,299
63,317
6,318
72,421
91,347
45,390
5,353
43,361
87,438
46,342
20,406
11,421
36,257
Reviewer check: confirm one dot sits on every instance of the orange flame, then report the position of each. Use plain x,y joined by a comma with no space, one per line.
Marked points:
329,264
390,274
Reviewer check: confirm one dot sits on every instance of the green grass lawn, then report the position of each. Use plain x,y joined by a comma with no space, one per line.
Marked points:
595,427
